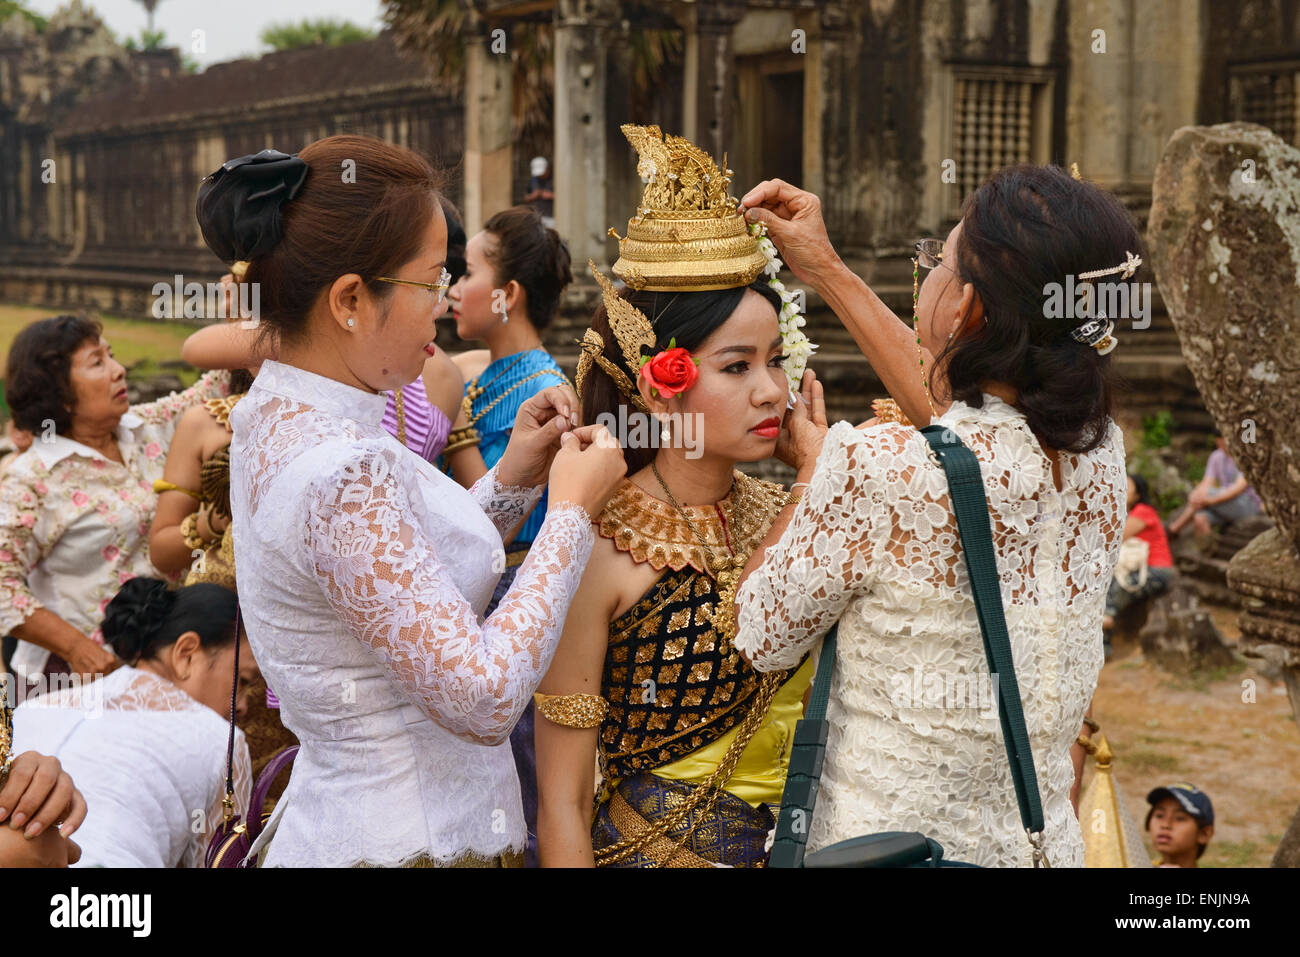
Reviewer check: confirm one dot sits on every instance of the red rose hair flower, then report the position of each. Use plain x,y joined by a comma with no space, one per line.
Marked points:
671,372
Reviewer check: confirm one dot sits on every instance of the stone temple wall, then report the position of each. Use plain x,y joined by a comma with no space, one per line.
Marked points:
127,155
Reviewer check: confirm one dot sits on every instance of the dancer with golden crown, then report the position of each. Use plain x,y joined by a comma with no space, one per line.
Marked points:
697,354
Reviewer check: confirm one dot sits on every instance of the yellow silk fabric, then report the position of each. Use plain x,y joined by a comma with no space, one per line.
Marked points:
759,778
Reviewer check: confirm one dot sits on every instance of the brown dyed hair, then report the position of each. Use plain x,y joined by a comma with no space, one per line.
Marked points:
533,255
38,380
371,227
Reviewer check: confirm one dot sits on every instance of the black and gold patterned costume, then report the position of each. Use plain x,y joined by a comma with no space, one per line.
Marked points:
680,697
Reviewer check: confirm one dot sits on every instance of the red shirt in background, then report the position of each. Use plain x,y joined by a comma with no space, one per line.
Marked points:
1153,534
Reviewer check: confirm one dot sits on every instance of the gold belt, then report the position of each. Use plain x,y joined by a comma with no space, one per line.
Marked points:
516,558
506,859
662,850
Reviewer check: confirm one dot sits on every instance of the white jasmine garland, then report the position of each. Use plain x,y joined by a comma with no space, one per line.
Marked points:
798,347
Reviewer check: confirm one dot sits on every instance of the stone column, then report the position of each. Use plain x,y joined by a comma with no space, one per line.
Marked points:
1223,233
582,121
710,75
488,129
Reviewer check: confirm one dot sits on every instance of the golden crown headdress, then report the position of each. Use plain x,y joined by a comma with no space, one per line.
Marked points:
688,235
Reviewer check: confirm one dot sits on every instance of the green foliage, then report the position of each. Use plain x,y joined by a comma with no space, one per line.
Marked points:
1168,488
438,29
149,40
306,33
1156,429
9,8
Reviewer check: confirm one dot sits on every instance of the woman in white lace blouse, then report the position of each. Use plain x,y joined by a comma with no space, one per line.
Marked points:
147,744
363,571
915,742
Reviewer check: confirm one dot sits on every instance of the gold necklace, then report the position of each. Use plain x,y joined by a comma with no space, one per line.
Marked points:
727,572
401,418
473,391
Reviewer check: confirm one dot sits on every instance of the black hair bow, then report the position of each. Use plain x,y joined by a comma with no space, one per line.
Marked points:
238,206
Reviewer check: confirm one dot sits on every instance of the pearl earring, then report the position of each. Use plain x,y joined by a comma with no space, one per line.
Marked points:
665,434
351,322
505,317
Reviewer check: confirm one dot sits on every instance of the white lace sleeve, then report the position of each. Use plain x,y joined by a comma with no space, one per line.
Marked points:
808,577
384,579
506,505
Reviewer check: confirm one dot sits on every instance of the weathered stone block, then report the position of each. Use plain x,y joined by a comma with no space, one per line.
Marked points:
1180,637
1224,233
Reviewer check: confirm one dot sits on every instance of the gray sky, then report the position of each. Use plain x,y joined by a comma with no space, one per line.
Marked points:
231,27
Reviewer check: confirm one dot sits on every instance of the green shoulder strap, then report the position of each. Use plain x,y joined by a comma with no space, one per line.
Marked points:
966,489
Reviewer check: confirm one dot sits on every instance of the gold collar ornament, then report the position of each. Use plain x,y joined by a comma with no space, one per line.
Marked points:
688,235
715,540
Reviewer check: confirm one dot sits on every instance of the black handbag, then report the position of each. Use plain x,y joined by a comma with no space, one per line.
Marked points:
912,849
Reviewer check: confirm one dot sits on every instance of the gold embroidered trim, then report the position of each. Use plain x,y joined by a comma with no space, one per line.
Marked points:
664,851
220,409
655,533
572,710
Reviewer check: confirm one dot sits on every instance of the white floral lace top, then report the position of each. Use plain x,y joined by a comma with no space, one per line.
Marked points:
149,759
74,526
363,573
915,743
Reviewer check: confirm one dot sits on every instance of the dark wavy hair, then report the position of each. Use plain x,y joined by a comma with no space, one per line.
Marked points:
145,616
38,372
533,255
1024,229
687,317
1143,489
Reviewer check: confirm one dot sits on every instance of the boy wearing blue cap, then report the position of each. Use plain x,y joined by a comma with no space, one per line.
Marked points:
1181,823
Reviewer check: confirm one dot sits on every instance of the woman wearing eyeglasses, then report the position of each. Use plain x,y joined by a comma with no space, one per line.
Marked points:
915,742
363,571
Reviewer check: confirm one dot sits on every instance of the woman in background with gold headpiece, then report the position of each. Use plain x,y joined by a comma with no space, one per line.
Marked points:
688,366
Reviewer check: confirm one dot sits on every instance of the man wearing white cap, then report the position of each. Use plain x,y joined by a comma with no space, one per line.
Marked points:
540,195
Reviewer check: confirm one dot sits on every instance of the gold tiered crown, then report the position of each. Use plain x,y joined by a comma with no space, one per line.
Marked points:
688,234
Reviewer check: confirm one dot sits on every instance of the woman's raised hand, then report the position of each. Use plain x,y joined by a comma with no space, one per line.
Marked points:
39,794
587,469
535,438
804,429
794,222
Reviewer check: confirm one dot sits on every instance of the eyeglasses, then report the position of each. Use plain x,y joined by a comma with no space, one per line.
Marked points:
439,288
929,253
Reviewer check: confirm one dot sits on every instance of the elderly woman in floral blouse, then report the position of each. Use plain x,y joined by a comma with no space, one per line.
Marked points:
75,515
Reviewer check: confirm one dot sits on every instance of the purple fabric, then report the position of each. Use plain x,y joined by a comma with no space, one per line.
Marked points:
426,425
1223,471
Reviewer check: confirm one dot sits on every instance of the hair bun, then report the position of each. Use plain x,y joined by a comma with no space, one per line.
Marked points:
238,206
135,614
560,257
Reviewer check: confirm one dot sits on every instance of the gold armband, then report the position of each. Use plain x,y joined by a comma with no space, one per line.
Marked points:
795,493
161,485
458,439
190,532
572,710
